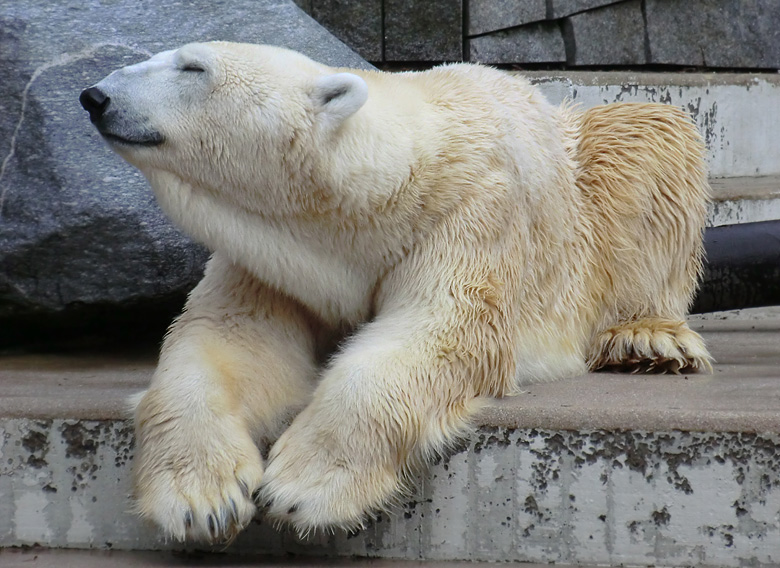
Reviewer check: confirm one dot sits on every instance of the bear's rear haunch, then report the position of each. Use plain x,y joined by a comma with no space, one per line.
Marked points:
473,237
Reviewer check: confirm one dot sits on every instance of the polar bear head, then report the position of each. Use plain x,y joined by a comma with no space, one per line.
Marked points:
224,117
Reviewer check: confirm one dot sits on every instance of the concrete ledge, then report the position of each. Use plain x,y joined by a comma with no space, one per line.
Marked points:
80,386
744,200
602,469
740,396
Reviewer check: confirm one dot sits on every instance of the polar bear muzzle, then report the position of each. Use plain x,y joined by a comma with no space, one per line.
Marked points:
108,120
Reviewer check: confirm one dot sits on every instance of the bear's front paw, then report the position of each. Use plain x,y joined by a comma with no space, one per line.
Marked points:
195,476
321,479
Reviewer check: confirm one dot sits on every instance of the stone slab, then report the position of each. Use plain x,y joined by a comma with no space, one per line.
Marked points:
492,15
712,33
357,24
541,42
612,35
423,31
561,8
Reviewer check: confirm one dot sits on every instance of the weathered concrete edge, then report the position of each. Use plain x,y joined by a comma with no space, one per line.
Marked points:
628,420
640,498
734,112
651,78
498,414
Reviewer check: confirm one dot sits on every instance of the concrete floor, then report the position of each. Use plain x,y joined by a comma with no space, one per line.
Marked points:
742,394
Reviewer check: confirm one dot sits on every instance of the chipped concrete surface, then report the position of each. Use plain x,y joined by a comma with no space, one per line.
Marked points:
744,200
641,498
597,486
735,112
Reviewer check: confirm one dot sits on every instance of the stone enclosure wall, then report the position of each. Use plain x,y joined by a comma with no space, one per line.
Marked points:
718,34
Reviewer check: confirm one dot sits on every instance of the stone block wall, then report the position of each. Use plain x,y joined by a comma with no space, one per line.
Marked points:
718,34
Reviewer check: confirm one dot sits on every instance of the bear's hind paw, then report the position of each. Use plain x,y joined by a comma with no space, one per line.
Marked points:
650,345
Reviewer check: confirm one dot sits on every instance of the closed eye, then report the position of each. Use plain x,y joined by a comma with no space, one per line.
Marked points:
193,68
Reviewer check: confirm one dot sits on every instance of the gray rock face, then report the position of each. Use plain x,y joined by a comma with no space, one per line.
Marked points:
492,15
358,24
609,36
715,34
81,237
541,42
562,8
430,30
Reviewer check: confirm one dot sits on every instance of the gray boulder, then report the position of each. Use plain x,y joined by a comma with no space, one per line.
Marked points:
83,246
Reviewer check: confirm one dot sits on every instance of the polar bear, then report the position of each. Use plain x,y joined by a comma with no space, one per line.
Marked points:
454,233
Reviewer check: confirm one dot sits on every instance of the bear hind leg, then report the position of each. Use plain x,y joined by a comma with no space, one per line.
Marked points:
649,345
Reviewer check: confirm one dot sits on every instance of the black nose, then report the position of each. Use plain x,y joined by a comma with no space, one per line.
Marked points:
95,102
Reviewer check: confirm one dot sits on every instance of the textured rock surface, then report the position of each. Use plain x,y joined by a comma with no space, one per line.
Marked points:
423,31
702,33
81,238
535,43
715,34
358,24
491,15
562,8
613,35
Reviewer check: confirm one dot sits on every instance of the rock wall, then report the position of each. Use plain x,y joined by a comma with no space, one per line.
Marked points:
690,33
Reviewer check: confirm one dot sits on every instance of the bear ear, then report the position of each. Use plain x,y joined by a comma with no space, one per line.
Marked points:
339,96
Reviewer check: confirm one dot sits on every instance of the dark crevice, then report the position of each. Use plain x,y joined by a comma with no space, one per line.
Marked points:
569,41
465,31
78,326
648,52
383,30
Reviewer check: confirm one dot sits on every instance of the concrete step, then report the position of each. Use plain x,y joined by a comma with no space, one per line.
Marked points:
744,200
602,469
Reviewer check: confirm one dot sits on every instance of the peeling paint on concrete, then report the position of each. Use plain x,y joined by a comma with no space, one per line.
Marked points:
600,497
734,112
732,212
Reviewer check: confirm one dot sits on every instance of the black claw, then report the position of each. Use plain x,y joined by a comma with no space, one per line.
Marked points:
211,522
256,495
292,509
188,519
